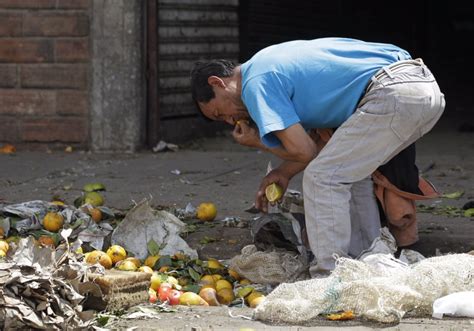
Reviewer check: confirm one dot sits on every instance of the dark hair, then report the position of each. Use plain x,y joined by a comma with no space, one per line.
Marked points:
200,89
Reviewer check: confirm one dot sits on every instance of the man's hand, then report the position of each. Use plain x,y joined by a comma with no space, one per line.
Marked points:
246,135
275,176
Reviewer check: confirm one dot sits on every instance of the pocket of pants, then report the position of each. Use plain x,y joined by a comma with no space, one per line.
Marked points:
408,115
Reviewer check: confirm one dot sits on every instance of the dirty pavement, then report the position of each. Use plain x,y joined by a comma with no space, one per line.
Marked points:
218,170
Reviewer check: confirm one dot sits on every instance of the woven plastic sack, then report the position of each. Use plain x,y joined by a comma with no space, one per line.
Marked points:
379,294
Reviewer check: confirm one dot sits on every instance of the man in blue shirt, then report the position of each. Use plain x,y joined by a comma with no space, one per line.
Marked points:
377,98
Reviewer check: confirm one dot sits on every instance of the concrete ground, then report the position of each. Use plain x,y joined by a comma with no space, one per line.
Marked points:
227,174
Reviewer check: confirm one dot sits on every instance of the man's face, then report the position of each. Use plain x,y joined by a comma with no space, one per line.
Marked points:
221,108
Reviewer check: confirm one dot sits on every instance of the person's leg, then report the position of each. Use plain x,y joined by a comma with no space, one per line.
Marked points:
390,117
365,219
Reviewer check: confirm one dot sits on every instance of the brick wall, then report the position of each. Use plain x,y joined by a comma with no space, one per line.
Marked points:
44,65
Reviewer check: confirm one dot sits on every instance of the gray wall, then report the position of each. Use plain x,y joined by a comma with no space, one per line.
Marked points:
117,89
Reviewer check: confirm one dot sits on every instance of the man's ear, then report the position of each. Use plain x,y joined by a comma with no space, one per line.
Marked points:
215,81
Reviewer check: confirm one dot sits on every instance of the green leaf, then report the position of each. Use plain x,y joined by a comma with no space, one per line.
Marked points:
194,274
192,288
153,247
469,212
102,320
164,260
453,195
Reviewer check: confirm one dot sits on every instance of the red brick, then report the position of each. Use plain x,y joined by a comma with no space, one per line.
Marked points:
8,75
71,50
67,76
56,24
27,102
25,4
9,131
20,50
56,129
72,103
73,4
10,25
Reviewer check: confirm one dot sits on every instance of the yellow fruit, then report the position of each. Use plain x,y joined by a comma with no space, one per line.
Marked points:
4,246
207,280
95,214
273,192
225,296
245,281
172,280
146,269
244,291
222,283
57,203
192,299
135,260
256,301
151,260
156,280
117,253
252,296
46,241
216,277
2,254
214,264
127,266
234,274
94,199
206,211
209,295
99,257
53,221
80,250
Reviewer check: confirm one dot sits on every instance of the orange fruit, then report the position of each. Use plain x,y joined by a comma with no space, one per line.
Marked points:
225,296
146,269
127,266
53,221
256,301
2,233
151,260
273,192
116,253
234,274
206,211
209,295
192,299
4,246
95,214
135,260
99,257
222,283
46,241
214,264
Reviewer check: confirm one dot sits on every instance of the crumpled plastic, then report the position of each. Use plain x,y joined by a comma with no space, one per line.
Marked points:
27,218
142,224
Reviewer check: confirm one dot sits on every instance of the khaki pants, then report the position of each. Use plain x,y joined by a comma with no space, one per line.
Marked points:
402,103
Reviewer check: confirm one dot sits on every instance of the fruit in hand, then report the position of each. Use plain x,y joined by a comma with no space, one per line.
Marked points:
273,192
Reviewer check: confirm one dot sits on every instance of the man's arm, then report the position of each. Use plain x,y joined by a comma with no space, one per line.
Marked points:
297,145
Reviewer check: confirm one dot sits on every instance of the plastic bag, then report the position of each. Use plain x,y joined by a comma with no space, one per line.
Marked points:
459,304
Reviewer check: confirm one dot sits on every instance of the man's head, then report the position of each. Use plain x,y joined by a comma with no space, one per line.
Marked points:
216,89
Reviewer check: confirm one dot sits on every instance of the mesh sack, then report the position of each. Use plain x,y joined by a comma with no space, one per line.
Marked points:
382,295
270,268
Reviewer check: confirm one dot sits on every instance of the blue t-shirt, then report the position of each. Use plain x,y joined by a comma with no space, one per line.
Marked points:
316,83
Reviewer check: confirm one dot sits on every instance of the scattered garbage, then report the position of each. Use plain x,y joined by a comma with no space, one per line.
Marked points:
460,304
143,223
163,146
